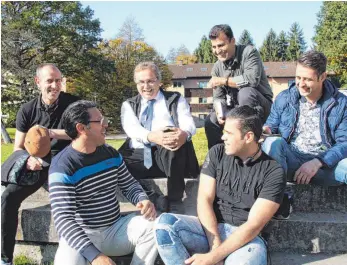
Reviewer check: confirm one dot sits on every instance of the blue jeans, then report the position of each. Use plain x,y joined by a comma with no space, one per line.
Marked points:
279,149
181,236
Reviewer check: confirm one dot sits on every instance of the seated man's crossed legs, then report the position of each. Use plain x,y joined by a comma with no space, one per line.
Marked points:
180,236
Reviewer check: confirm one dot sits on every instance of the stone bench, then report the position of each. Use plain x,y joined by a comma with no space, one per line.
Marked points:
318,223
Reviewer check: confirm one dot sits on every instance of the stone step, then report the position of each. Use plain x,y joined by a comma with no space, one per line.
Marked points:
307,198
309,232
44,254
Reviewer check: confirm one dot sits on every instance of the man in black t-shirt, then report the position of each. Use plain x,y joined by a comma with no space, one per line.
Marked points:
45,110
240,189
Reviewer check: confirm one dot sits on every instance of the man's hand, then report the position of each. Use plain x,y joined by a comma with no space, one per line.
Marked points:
33,164
173,140
220,121
200,259
307,170
103,260
147,209
156,137
216,81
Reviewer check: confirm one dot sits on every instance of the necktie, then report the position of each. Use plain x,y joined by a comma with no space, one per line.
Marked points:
147,117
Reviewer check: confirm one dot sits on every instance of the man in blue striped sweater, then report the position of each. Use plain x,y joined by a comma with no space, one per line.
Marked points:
82,184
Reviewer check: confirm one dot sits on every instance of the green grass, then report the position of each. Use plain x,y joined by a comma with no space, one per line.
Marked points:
199,142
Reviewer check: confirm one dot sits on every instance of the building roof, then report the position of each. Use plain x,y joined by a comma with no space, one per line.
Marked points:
191,70
272,69
280,69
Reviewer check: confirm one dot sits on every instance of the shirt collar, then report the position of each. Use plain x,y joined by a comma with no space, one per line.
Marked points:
159,96
235,60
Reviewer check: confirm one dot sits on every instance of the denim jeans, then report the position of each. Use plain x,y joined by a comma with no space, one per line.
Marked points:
129,234
279,149
180,236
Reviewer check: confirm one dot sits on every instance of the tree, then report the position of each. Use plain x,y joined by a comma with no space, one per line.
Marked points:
130,31
171,55
269,49
245,38
297,44
37,32
331,37
183,50
204,51
282,46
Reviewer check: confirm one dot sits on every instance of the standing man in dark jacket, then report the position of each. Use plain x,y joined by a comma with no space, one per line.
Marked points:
159,128
45,110
311,117
238,78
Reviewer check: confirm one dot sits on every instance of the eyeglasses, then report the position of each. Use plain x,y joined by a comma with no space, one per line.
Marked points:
149,82
103,121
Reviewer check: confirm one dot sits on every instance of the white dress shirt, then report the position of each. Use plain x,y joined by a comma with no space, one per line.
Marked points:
161,119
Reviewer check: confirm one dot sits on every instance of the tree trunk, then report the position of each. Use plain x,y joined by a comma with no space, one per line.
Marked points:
4,134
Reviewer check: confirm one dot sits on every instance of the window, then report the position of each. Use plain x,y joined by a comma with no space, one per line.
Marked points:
189,69
291,82
202,84
202,116
266,67
203,69
177,84
283,67
202,100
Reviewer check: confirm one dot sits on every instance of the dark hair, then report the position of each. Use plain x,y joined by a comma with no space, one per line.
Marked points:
216,30
314,60
75,113
250,119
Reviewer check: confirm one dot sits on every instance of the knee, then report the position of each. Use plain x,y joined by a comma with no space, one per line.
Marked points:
247,96
273,145
164,229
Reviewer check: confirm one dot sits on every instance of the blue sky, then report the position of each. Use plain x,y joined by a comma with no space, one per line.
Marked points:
170,24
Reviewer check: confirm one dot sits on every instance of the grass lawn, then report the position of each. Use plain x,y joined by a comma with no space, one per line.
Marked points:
199,141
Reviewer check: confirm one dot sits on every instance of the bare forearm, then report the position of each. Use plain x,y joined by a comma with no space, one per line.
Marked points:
209,222
58,134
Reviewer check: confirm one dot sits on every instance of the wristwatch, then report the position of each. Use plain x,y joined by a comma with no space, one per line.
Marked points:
189,137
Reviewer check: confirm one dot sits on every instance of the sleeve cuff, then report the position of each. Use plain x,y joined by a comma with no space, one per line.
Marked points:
240,81
90,252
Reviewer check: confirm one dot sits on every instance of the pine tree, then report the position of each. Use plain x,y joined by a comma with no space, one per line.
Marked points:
269,49
331,37
282,44
297,44
245,38
204,51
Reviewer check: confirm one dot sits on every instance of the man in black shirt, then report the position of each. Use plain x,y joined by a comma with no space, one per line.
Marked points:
240,190
45,110
238,78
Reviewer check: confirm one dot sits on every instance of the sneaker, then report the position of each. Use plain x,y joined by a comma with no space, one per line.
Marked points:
285,209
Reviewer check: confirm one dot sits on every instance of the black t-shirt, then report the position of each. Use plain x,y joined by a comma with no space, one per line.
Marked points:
36,112
238,185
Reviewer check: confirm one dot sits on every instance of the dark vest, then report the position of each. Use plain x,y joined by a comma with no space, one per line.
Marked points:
171,100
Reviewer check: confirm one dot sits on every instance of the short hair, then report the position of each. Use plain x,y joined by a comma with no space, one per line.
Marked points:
250,119
75,113
217,29
147,65
314,60
41,66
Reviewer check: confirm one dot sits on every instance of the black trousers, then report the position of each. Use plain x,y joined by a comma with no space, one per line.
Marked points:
245,96
166,164
11,200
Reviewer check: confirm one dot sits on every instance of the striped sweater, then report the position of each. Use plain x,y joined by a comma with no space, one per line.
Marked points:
82,191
